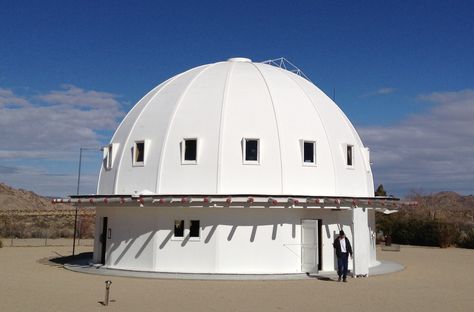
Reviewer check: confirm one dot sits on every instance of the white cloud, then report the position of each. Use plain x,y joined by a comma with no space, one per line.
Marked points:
73,96
381,91
41,135
432,150
9,99
61,121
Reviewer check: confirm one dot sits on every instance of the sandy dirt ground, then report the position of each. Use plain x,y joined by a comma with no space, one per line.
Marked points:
434,280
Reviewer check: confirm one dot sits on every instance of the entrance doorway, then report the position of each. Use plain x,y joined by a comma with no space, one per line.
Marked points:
310,245
103,239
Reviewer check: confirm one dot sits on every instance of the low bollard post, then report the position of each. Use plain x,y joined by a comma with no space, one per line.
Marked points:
107,290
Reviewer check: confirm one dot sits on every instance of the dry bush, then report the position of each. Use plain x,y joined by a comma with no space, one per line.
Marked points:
466,238
50,226
86,227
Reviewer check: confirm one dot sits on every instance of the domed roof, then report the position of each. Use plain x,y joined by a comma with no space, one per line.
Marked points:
236,127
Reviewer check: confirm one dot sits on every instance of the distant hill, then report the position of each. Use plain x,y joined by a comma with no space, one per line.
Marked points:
446,206
24,214
19,199
449,200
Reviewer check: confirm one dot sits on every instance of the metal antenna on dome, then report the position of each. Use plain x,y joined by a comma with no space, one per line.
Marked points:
282,62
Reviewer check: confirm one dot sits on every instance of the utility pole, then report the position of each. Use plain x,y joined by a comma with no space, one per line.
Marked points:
77,192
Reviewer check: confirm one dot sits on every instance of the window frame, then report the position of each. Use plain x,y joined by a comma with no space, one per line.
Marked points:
137,163
183,224
110,155
349,147
198,228
314,162
184,161
244,151
109,151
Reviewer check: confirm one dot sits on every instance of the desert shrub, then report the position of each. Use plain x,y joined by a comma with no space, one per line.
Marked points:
422,232
51,226
42,223
53,234
466,240
66,233
86,227
1,244
18,230
38,233
416,232
448,234
4,225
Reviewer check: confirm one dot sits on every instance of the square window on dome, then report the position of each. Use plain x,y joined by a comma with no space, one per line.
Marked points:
109,156
309,153
350,155
139,153
109,152
189,151
251,153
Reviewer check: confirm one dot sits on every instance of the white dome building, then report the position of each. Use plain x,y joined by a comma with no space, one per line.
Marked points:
234,167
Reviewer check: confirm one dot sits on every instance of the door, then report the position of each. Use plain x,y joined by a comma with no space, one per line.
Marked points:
103,239
309,246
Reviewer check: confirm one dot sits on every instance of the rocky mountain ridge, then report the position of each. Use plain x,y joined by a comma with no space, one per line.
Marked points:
19,199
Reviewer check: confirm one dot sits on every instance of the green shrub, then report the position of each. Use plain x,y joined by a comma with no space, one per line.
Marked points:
425,232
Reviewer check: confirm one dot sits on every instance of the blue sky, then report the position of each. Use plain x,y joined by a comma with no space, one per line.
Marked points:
403,72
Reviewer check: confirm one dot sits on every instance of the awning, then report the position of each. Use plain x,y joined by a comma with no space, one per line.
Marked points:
385,205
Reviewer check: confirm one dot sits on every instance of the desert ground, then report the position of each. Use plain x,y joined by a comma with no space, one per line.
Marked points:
434,280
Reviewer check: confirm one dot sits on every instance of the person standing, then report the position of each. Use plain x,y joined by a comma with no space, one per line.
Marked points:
343,251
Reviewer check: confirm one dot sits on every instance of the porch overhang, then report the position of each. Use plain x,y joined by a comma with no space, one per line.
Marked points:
386,205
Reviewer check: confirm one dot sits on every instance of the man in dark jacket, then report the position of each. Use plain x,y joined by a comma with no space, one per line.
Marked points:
343,250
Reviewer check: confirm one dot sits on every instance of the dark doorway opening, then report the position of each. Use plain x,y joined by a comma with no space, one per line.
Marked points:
103,239
320,244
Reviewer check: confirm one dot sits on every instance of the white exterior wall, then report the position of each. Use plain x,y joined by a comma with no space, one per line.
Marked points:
233,240
298,178
349,181
248,108
372,238
189,178
106,183
361,241
153,127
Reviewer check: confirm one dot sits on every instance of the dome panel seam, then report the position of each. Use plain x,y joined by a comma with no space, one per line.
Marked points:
170,124
119,165
322,125
276,125
221,126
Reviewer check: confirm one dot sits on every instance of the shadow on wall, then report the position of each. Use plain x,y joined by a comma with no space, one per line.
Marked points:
130,242
147,241
208,232
115,246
